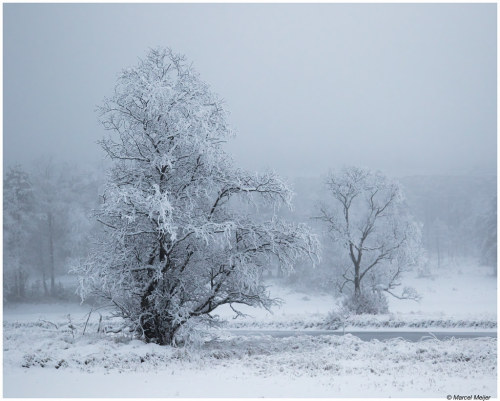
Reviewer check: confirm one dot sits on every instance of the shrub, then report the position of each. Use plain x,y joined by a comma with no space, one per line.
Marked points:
368,302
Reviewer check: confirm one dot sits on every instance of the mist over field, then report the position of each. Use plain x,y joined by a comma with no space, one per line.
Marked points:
263,200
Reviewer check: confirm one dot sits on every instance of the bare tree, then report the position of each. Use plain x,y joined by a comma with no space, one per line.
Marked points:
380,239
173,249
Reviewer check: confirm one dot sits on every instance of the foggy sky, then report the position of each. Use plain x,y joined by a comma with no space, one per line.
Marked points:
409,89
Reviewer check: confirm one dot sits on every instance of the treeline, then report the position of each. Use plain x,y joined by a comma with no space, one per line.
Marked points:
46,226
458,215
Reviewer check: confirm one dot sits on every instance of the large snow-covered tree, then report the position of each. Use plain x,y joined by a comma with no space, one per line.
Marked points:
173,247
380,240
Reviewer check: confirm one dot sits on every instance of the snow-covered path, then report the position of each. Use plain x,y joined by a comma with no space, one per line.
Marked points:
366,335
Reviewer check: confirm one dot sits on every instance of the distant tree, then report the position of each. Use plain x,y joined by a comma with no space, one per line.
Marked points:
454,210
488,236
83,197
380,239
51,193
64,194
18,223
442,237
173,249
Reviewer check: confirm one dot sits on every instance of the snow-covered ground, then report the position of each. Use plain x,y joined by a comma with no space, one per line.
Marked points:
46,355
42,360
461,291
458,297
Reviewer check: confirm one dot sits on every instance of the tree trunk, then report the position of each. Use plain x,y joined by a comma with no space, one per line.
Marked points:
22,282
158,331
51,256
44,281
438,252
356,261
17,285
19,279
168,336
44,276
357,280
357,287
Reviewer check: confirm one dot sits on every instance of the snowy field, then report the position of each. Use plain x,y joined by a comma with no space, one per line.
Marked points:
458,297
41,360
45,354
